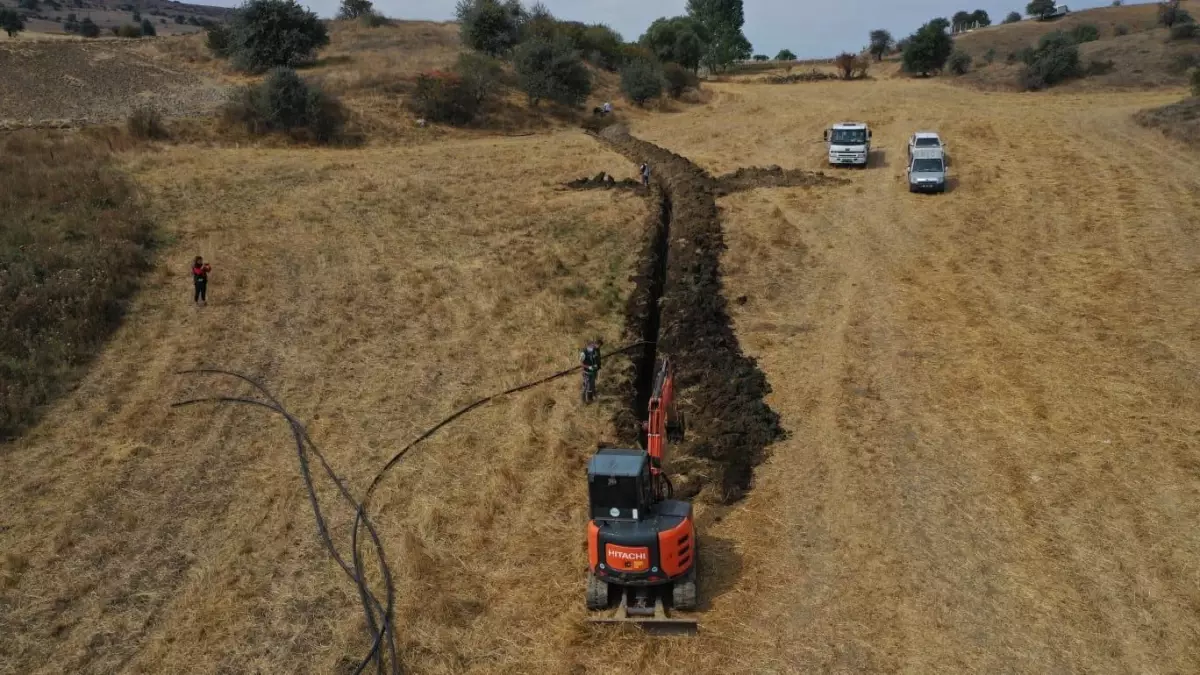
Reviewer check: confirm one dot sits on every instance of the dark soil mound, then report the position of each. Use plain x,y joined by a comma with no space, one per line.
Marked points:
603,181
720,390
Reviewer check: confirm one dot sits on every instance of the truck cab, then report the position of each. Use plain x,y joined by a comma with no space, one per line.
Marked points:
849,144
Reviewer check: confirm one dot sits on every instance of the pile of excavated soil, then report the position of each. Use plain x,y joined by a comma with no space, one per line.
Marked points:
769,177
603,181
87,82
720,390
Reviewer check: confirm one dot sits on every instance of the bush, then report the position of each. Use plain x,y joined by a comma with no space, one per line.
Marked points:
218,40
928,49
129,30
679,79
601,46
490,26
851,65
1013,17
284,102
1196,82
1185,31
88,28
267,34
354,9
959,63
1182,63
442,97
146,123
1120,29
480,75
1085,32
785,55
1095,67
552,70
761,57
374,20
641,81
1056,60
1170,14
1027,55
11,22
989,56
148,28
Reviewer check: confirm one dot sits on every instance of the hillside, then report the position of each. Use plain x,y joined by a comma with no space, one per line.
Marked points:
990,458
1130,37
168,17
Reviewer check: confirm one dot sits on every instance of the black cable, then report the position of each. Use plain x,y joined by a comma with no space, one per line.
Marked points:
380,624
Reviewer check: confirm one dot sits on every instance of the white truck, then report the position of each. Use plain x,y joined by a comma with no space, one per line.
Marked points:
849,144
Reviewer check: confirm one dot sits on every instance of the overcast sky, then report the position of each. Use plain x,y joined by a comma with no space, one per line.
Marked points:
810,28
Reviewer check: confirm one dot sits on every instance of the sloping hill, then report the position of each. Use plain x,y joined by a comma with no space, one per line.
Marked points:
1130,37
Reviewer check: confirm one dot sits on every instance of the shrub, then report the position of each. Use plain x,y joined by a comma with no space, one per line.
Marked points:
442,97
601,46
785,55
1120,29
284,102
148,28
1056,60
1013,17
845,63
1096,67
490,26
1085,32
88,28
218,40
267,34
641,81
480,75
147,123
552,70
1027,55
989,56
1196,82
679,79
761,57
959,63
1182,63
129,30
374,20
1170,14
1185,31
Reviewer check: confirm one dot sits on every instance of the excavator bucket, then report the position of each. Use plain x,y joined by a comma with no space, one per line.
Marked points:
650,618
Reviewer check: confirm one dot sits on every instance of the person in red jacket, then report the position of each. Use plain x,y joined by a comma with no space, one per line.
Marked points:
200,270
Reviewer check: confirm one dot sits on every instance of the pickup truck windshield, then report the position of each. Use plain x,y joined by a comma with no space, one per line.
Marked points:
927,166
848,137
927,143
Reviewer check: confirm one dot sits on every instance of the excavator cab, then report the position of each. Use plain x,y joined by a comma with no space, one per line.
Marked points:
641,543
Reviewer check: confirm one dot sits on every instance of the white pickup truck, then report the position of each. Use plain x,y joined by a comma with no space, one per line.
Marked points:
849,144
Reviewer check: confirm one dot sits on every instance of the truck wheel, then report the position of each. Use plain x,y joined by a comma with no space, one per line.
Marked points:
597,593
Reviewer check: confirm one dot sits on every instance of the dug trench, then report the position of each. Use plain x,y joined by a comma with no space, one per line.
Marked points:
678,309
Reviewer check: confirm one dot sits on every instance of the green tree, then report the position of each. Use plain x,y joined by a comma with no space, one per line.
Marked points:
88,28
641,80
551,70
11,22
980,18
601,46
960,20
939,24
148,28
785,55
1039,7
681,39
490,26
265,34
678,79
1013,17
354,9
723,20
1056,59
928,48
881,43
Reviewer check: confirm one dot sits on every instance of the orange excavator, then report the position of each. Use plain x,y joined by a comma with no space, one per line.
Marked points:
641,542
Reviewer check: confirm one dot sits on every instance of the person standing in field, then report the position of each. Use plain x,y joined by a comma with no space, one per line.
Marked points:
645,171
200,270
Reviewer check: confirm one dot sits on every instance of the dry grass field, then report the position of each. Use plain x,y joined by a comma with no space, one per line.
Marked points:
992,461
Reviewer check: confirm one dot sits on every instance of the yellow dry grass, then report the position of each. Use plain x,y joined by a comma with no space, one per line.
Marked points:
993,463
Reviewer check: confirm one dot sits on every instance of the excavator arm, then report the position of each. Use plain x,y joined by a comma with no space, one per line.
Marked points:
662,424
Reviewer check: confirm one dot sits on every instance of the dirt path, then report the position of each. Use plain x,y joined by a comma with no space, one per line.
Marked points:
992,465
